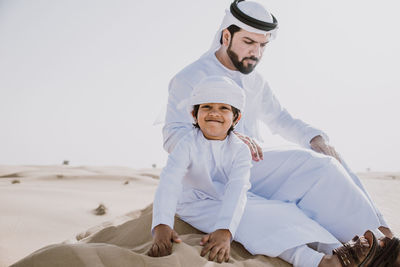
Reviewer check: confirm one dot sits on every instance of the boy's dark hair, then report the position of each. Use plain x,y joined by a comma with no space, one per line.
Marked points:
232,29
235,111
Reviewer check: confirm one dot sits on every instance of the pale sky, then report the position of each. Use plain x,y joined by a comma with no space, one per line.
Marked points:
84,80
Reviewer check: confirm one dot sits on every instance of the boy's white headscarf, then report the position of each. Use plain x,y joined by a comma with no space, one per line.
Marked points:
218,89
215,89
252,9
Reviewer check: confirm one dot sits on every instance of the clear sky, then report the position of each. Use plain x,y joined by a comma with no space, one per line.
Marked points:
84,80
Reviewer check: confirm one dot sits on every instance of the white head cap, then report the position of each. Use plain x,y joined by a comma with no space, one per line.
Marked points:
218,89
251,9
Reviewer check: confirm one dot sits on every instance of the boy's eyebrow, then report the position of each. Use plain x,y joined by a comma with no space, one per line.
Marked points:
254,41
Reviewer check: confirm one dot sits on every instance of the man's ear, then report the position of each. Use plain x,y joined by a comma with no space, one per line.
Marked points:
238,118
226,37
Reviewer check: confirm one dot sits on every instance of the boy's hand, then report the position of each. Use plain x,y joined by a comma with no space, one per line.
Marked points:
162,241
218,243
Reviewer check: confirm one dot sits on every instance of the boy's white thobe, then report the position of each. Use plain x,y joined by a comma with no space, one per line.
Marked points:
199,170
301,196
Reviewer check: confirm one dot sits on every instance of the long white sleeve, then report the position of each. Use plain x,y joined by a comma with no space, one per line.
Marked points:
178,122
281,122
170,186
234,198
261,104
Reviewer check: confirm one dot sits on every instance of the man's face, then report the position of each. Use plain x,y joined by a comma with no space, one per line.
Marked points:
246,49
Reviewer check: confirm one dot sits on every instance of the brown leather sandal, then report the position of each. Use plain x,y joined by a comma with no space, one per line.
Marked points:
353,253
387,255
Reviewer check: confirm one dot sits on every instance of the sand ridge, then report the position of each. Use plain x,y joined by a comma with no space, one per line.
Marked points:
50,211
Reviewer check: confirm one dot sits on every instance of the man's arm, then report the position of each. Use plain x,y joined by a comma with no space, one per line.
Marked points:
166,198
281,122
178,121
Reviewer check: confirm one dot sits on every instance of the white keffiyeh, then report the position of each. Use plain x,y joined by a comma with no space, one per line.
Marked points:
252,9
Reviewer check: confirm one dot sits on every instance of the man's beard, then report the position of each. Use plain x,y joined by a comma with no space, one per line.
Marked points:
239,64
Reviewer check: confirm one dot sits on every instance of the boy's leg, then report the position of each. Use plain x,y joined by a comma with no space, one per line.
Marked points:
267,227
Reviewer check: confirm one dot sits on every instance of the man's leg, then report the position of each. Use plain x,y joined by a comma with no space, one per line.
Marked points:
302,256
319,186
357,181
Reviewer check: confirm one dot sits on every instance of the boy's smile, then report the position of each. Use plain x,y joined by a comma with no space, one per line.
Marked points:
214,120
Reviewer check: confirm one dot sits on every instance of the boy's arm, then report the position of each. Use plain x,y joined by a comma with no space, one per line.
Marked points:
170,185
235,196
166,199
234,200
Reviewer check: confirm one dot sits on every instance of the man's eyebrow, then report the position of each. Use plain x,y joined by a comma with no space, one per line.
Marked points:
248,38
254,41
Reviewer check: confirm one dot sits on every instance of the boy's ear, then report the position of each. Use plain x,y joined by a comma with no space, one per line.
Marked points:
238,118
194,117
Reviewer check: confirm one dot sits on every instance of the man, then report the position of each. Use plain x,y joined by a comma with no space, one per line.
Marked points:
286,175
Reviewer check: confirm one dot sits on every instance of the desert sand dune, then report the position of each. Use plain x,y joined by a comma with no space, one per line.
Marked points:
48,215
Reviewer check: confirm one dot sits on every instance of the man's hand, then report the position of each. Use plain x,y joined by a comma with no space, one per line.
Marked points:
255,149
218,243
162,241
318,144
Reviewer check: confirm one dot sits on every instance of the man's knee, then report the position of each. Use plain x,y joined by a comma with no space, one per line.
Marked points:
325,160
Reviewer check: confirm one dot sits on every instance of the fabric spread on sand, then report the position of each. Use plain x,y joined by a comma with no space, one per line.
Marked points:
127,244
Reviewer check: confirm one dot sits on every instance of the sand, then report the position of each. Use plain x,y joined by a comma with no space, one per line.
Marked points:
54,205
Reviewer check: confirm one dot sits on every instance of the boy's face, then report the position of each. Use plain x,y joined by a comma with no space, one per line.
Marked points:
214,120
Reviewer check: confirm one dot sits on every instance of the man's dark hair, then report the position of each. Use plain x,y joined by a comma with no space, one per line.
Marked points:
235,111
232,29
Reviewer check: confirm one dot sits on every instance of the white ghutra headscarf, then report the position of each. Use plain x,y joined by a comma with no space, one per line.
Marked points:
251,9
215,89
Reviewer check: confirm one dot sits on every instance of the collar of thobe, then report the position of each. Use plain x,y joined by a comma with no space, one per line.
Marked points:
215,146
241,13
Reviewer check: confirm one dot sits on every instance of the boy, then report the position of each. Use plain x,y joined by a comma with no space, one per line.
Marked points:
208,169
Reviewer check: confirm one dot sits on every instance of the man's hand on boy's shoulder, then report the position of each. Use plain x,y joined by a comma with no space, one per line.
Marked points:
255,149
218,243
163,238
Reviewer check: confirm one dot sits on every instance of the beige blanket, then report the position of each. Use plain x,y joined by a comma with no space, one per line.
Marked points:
127,243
